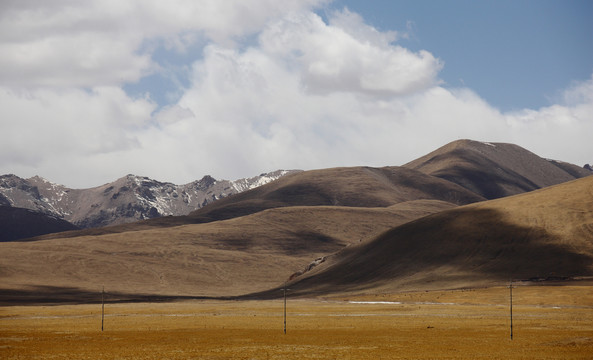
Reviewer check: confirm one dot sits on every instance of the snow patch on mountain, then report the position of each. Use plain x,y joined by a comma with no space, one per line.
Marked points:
256,181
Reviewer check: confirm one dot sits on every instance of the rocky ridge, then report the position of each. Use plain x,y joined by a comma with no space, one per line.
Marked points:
128,199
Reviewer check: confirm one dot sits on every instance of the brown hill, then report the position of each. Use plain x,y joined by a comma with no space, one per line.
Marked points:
543,234
222,258
352,186
461,172
495,170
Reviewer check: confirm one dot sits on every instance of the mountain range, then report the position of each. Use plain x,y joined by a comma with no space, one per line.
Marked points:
467,214
128,199
459,173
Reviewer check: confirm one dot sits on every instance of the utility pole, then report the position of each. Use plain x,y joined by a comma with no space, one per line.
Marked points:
284,289
102,307
511,305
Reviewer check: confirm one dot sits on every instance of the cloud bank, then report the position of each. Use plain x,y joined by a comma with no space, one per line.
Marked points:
272,85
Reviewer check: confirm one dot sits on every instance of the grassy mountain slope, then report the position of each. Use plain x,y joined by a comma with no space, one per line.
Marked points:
542,234
231,257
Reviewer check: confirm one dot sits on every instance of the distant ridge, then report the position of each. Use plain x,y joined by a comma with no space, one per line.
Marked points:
365,187
128,199
460,172
351,187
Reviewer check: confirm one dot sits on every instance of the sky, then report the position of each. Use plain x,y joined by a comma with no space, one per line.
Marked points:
93,90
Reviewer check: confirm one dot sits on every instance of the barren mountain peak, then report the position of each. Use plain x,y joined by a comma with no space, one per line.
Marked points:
494,170
127,199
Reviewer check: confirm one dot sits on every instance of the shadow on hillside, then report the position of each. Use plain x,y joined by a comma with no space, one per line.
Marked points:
476,174
462,245
55,295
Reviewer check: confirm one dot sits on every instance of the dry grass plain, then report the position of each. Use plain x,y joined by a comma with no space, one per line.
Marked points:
550,322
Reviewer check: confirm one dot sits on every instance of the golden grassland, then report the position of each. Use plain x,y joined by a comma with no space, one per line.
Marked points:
549,322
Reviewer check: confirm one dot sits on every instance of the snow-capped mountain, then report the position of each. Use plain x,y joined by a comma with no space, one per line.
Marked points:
127,199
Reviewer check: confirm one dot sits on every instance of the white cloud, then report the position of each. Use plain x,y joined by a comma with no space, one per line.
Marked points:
355,57
100,43
579,93
354,25
68,43
58,131
303,94
561,131
258,99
